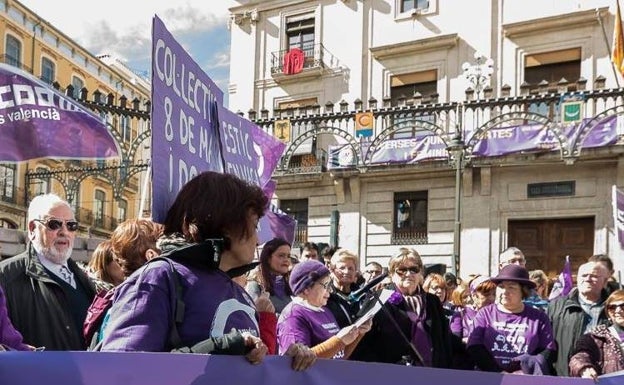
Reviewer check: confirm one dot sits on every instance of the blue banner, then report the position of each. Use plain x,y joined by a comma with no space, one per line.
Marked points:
98,368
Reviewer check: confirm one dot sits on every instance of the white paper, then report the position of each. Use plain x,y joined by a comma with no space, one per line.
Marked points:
383,297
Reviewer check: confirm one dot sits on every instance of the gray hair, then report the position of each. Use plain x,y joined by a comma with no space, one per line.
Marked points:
42,204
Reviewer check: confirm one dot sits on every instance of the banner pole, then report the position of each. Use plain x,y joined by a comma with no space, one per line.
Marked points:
144,188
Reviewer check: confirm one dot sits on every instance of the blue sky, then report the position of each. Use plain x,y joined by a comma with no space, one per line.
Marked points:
123,29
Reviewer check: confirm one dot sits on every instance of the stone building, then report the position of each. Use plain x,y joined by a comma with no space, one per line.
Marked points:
458,128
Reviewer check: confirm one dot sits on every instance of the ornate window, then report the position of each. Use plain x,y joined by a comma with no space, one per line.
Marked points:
410,217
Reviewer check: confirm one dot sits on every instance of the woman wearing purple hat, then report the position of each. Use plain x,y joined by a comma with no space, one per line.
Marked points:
306,320
508,335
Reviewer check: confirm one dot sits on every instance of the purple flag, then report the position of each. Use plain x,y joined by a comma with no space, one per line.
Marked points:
37,121
618,215
563,284
276,224
102,368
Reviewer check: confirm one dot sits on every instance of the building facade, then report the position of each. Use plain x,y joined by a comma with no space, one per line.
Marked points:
416,124
101,192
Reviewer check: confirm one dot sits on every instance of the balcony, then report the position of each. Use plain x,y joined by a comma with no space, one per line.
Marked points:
317,60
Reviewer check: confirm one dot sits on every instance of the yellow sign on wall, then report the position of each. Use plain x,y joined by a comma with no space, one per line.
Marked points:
364,122
281,130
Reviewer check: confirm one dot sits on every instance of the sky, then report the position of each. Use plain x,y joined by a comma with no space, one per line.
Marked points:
122,28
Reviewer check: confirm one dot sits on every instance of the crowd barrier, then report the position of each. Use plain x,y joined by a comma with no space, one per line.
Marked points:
99,368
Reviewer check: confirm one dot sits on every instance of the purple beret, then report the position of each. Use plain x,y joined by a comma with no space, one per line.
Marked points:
305,273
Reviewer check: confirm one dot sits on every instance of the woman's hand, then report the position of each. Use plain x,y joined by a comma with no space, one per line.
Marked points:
589,373
264,304
348,334
258,348
303,357
365,327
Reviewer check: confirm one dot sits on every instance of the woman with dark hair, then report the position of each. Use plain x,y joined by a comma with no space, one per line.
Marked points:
601,350
508,335
209,235
272,274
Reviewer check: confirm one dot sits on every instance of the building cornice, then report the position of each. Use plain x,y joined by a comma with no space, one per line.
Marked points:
552,23
415,46
262,5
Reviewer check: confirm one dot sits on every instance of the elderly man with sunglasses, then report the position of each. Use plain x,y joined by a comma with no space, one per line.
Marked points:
47,294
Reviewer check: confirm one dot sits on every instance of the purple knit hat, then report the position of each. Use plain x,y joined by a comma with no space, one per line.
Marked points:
305,273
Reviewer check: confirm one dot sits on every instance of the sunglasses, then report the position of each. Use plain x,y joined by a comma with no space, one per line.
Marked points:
373,271
615,306
405,270
55,224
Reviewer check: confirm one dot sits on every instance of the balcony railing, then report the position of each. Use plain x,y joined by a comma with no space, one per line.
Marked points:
409,237
301,235
317,57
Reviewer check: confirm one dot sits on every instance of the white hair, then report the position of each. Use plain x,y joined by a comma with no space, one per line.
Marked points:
42,204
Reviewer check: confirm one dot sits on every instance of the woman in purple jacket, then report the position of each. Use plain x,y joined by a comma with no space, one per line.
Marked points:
308,321
10,339
210,234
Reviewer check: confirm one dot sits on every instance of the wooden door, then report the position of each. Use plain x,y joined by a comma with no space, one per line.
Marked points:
546,242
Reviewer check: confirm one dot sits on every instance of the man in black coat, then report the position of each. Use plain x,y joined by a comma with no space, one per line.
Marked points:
47,294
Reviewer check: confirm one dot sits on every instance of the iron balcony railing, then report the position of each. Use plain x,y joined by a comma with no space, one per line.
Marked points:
316,57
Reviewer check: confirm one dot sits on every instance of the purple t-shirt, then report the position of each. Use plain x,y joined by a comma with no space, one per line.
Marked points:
8,335
298,323
508,335
462,321
142,310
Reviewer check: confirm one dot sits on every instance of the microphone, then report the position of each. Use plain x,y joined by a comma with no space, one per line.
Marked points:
356,295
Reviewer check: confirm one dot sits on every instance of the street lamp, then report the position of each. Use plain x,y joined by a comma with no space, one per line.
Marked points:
456,148
479,74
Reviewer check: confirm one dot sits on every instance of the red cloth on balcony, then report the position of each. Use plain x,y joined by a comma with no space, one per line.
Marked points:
293,61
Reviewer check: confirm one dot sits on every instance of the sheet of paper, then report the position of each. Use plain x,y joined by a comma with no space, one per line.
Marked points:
383,297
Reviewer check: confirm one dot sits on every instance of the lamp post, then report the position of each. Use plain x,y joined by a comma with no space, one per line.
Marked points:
455,149
479,73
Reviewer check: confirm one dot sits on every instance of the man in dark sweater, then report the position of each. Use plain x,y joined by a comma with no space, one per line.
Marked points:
47,294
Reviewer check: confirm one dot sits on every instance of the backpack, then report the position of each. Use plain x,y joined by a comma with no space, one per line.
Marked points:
103,301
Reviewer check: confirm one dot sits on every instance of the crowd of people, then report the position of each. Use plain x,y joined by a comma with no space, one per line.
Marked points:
193,285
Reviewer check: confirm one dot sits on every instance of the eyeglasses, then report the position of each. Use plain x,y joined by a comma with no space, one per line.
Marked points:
326,285
614,306
55,224
405,270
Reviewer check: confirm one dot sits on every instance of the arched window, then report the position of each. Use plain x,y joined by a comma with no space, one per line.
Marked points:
48,70
78,85
13,51
42,182
99,205
7,182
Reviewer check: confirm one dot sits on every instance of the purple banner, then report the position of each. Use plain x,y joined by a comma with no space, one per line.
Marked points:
37,121
184,121
618,215
97,368
495,142
535,138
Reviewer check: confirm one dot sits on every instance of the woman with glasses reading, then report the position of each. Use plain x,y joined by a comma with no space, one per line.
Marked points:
601,351
307,320
412,328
